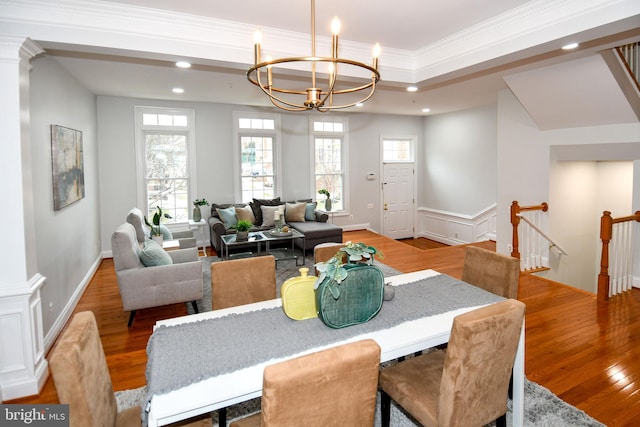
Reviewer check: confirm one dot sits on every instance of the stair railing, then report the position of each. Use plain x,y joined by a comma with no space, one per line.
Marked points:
528,239
630,55
617,242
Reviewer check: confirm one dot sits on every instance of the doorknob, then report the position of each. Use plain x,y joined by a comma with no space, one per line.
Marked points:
386,207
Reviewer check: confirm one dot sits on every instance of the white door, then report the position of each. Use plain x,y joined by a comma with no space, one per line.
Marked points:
397,200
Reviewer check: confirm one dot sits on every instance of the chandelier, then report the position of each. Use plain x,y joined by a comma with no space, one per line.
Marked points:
323,99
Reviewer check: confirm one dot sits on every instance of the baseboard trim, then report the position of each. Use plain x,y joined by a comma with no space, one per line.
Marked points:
65,315
355,227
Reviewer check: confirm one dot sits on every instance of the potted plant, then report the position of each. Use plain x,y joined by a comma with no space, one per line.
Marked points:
327,202
156,232
197,214
242,229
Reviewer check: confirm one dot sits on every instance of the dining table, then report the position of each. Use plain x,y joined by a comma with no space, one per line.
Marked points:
204,362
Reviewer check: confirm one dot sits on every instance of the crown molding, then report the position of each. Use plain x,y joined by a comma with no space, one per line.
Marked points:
127,30
530,25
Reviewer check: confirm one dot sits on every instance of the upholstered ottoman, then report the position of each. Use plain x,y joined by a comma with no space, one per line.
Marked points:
316,233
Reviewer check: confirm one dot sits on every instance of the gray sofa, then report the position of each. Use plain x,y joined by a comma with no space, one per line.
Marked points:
314,226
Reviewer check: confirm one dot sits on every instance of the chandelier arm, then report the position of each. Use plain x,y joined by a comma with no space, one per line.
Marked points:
314,59
366,98
281,103
333,78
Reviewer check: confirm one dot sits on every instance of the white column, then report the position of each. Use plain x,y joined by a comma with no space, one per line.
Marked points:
23,368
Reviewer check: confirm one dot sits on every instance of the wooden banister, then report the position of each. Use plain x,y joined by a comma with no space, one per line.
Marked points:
606,232
515,222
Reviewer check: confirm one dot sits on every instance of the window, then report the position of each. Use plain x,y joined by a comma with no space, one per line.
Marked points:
165,148
397,150
329,159
258,152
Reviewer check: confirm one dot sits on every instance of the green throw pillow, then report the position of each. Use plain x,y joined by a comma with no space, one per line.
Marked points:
228,216
152,255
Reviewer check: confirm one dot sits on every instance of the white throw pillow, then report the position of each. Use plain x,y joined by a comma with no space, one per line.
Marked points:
268,214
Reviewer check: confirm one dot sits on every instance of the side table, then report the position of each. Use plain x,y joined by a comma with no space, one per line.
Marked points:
200,243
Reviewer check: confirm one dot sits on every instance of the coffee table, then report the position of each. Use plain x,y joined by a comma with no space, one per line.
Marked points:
281,254
229,241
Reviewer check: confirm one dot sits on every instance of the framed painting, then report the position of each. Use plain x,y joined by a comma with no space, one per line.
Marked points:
68,166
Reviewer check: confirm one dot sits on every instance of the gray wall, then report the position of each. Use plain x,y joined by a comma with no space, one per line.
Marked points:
460,156
68,241
525,165
214,155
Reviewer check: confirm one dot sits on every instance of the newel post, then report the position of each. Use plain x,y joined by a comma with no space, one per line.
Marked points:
515,221
606,230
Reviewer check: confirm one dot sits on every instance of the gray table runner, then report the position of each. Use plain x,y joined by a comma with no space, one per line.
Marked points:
183,354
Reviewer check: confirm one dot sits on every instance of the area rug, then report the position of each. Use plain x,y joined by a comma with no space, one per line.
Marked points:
286,269
541,409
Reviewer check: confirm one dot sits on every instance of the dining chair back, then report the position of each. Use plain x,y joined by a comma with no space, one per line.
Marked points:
466,384
325,251
243,281
81,376
333,387
491,271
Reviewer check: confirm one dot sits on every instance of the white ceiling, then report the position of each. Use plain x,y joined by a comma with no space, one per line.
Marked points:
458,52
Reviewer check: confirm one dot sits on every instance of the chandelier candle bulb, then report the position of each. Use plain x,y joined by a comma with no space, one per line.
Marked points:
257,39
335,30
376,54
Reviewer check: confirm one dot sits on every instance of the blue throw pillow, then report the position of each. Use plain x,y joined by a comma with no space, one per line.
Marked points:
228,216
310,212
152,255
166,234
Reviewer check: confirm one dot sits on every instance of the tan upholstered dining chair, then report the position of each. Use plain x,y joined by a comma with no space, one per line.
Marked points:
81,376
466,384
491,271
243,281
333,387
325,251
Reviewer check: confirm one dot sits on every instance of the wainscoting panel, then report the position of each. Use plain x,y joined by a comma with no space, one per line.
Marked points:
455,229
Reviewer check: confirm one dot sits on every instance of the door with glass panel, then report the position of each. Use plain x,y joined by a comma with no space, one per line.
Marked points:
398,188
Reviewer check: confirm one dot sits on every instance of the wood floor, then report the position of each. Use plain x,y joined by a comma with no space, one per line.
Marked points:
586,352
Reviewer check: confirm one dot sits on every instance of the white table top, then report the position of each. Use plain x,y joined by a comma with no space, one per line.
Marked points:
244,384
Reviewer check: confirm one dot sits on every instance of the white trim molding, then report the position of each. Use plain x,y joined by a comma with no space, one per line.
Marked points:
455,229
23,367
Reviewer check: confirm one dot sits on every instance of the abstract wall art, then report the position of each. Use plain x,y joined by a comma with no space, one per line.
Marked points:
68,166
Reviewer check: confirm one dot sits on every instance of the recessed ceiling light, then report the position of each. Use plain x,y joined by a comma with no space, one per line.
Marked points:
412,89
183,64
177,90
426,110
570,46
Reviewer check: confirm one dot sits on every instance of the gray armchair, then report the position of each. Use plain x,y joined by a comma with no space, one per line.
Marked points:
143,287
134,217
